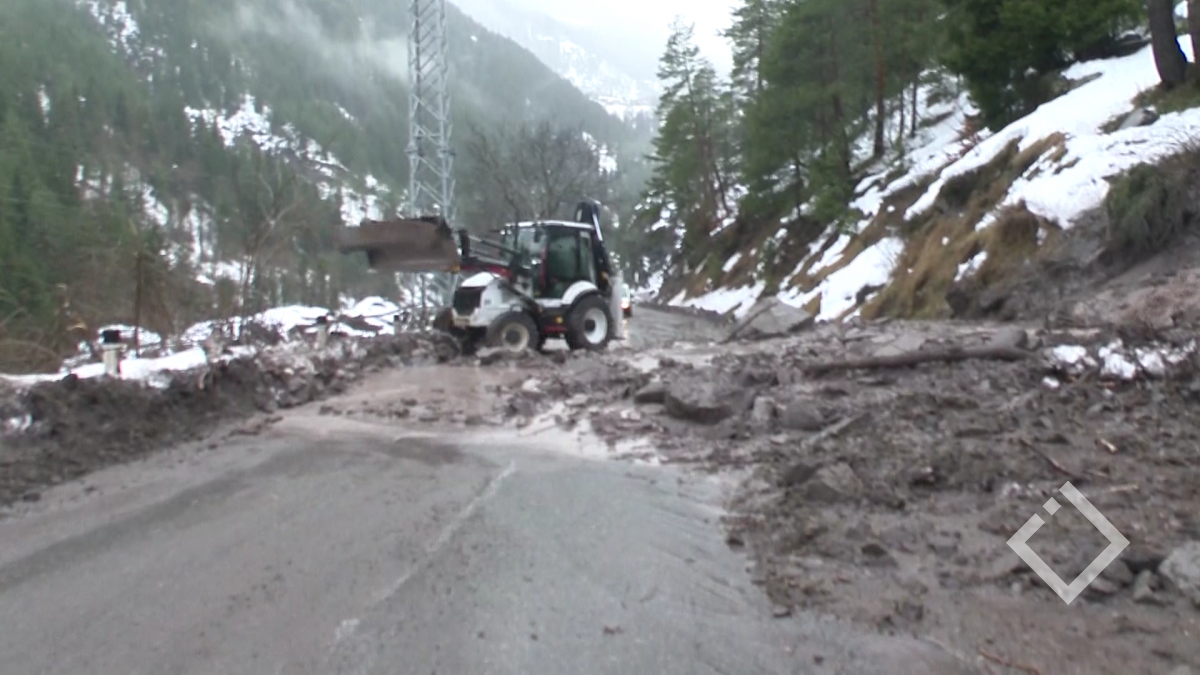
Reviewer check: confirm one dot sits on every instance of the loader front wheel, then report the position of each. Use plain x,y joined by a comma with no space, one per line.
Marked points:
589,324
514,332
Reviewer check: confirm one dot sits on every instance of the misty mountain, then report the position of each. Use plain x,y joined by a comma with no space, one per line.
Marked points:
611,63
214,145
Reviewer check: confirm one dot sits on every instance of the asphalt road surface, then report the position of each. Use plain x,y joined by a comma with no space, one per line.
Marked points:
325,545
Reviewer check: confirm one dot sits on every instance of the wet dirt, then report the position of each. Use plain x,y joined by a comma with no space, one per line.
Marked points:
880,495
887,495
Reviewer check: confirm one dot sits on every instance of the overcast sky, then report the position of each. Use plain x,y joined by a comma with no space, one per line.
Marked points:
709,16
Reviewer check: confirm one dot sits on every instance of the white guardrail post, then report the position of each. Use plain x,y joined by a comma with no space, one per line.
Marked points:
322,332
111,348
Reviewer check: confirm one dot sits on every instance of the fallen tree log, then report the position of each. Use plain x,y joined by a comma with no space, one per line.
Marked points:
949,355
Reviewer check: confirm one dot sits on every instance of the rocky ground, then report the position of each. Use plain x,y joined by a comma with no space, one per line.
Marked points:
885,465
885,492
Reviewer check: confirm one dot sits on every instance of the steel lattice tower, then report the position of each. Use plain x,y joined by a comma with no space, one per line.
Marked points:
430,159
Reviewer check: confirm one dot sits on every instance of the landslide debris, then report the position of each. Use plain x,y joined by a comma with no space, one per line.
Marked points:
886,465
53,432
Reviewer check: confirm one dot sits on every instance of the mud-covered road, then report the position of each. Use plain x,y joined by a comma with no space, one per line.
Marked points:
321,541
329,545
837,501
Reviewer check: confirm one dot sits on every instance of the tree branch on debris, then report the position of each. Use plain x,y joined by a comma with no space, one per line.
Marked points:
949,355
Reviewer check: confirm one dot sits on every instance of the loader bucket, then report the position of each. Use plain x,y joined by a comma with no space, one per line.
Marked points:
403,245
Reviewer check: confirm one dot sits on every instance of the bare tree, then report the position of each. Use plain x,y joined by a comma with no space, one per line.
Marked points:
537,171
269,195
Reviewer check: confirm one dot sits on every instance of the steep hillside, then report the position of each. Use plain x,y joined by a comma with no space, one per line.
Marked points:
180,158
960,214
1033,218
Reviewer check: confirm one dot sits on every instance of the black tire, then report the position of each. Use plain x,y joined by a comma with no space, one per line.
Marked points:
444,320
583,331
514,324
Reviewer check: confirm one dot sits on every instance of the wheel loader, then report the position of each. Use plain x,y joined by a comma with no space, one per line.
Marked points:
533,281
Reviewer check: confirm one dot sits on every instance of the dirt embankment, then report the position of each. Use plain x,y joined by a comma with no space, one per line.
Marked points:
61,430
885,490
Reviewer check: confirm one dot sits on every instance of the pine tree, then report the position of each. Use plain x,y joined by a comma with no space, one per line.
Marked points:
1005,47
694,146
749,37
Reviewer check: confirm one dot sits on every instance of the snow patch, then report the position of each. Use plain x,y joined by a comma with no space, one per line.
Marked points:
1116,361
364,318
724,300
838,291
1061,189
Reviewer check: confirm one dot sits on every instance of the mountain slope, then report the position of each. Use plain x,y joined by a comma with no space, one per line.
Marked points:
180,158
1004,223
614,67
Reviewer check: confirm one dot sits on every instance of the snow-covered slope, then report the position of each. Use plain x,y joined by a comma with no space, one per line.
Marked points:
1075,150
626,93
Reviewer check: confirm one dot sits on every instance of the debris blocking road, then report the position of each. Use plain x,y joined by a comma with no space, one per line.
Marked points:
888,465
57,431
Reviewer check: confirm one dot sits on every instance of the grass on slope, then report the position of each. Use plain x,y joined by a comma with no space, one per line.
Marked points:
951,234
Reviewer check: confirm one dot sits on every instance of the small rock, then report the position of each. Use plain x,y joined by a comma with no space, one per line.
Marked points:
781,611
1144,587
911,611
655,392
1140,557
1118,573
831,484
799,416
763,412
492,355
904,344
874,550
1182,569
578,400
1101,588
1011,336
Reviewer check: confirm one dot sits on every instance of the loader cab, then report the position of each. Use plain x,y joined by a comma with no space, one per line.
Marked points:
560,253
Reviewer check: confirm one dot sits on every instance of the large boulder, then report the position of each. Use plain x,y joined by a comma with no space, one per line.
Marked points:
703,400
768,318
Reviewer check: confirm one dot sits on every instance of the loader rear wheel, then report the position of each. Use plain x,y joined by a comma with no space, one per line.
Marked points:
514,332
589,324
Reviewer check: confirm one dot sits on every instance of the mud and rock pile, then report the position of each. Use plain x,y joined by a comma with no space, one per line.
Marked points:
56,431
889,464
